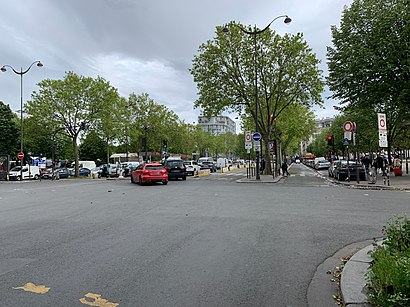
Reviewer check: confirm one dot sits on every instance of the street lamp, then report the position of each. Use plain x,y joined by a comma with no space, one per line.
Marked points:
254,33
21,73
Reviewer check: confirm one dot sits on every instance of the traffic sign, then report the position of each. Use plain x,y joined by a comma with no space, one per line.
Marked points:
345,142
381,119
383,138
20,155
257,145
256,136
248,136
248,145
348,126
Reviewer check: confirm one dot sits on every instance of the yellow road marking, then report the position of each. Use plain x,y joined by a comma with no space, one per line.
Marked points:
97,301
30,287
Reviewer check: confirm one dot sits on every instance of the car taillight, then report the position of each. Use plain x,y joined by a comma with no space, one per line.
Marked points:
145,172
184,167
167,168
343,169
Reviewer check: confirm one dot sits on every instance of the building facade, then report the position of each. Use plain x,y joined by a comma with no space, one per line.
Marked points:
217,125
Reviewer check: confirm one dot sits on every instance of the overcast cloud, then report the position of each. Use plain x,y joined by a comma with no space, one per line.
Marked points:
141,45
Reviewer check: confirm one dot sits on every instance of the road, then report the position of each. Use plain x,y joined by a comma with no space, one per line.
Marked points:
207,241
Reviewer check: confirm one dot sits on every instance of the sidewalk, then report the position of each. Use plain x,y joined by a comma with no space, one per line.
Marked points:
264,179
400,183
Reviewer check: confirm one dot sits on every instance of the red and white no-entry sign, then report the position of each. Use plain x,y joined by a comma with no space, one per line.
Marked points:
20,155
348,126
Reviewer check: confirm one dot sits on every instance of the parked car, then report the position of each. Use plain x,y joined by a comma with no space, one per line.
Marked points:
28,172
208,165
128,167
46,173
322,164
84,172
341,170
192,167
113,170
175,168
62,172
149,172
95,172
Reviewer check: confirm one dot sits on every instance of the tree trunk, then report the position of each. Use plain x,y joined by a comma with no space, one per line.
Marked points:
75,148
267,157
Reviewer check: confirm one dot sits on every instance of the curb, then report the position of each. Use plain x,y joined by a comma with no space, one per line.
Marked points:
353,285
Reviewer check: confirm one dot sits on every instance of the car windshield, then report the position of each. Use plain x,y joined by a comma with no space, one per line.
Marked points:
175,163
153,167
16,168
187,163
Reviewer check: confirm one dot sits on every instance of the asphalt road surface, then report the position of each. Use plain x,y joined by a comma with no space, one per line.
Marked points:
207,241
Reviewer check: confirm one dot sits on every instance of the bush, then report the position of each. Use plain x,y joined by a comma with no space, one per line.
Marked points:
389,273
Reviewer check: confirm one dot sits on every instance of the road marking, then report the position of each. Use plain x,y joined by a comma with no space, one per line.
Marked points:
30,287
97,301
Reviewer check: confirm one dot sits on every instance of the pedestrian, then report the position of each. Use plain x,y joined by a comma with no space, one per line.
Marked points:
262,167
366,163
285,169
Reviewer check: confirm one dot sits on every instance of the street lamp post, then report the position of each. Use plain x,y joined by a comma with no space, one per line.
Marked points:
21,73
254,33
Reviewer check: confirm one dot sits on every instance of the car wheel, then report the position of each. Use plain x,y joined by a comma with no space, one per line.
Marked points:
18,178
184,178
132,179
139,180
36,177
164,182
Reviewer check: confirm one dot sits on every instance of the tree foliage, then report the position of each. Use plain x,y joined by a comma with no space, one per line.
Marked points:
369,63
72,105
287,73
9,131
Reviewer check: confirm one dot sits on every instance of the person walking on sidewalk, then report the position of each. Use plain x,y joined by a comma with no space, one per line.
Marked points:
285,169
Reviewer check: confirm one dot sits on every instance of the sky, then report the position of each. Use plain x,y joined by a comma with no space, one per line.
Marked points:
142,46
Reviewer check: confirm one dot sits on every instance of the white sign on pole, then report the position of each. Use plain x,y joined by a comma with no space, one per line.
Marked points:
382,138
257,145
248,136
348,135
381,120
248,145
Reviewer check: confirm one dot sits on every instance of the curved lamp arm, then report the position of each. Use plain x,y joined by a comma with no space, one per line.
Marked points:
3,68
255,32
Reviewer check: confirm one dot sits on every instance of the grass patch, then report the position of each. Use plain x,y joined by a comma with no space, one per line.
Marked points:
389,273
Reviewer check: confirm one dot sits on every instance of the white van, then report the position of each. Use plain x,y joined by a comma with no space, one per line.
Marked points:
29,172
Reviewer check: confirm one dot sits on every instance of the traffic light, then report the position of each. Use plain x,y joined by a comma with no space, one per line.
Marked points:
330,140
164,144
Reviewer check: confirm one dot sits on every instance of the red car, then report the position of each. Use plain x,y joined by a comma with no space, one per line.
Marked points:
149,172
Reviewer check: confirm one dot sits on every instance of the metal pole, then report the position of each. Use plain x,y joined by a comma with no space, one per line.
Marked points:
258,176
146,154
21,120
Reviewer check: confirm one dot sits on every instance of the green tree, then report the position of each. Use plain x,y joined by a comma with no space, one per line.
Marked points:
369,63
153,121
287,71
9,131
41,140
72,105
93,147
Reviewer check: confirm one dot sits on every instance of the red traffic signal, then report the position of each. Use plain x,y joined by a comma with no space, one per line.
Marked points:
330,140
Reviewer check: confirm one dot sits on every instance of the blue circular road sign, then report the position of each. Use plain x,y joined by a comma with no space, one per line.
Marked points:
256,136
